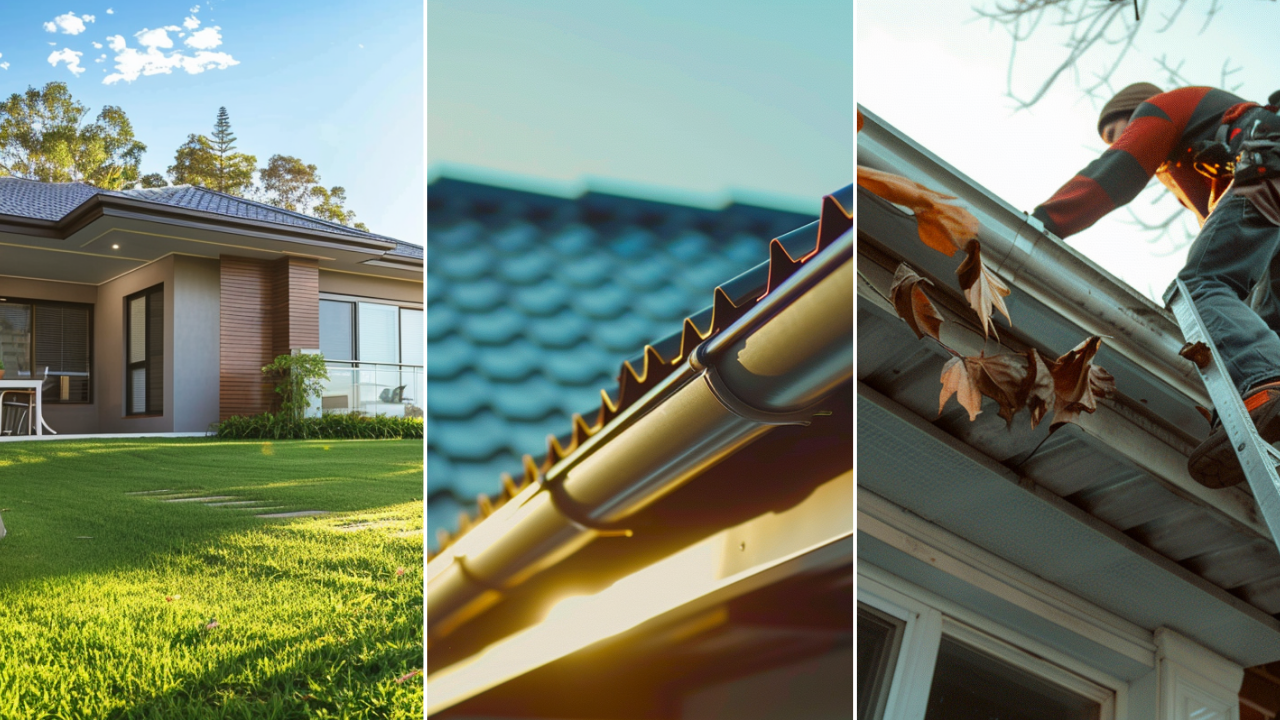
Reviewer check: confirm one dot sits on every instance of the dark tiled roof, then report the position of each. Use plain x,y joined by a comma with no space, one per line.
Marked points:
191,197
53,201
42,201
533,302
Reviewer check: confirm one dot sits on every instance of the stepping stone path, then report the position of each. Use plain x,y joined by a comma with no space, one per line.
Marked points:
231,502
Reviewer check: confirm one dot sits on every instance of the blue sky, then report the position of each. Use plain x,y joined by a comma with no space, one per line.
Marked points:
698,98
337,83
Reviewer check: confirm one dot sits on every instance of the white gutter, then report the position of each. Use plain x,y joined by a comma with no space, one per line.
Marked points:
1017,247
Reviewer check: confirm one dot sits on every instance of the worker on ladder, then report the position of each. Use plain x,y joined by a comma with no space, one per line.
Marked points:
1220,156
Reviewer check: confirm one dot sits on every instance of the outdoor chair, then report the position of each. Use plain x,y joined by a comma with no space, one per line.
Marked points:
392,396
14,412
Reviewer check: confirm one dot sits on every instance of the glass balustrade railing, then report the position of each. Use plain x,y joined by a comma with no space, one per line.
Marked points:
371,389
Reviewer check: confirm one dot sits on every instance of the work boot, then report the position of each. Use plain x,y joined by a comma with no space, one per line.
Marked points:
1214,463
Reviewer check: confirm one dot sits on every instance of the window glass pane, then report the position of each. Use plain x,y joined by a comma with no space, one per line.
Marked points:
15,337
336,338
138,381
878,637
155,352
411,336
379,334
969,685
138,329
62,339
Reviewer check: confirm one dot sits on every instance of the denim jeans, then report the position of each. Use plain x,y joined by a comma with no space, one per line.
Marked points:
1234,251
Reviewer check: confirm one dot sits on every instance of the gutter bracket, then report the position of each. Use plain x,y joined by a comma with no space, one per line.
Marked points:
574,515
740,407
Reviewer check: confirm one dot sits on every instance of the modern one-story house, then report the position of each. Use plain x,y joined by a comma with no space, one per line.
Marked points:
154,310
1006,571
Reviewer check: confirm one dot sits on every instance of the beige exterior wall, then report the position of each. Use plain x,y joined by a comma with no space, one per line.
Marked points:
109,349
382,288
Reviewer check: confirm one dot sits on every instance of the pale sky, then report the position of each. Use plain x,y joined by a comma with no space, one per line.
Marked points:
938,73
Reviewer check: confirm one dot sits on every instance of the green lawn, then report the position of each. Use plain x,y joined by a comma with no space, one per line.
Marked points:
123,606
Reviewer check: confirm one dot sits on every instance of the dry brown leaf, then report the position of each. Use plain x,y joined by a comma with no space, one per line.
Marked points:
1000,377
912,305
1037,388
1198,353
941,225
1078,383
956,381
981,287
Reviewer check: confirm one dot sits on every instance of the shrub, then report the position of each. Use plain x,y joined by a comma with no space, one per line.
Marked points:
298,379
334,426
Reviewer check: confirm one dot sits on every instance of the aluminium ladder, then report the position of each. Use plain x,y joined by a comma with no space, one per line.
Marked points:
1257,457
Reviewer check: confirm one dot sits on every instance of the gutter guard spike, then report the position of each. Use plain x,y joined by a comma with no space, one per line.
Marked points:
834,221
781,266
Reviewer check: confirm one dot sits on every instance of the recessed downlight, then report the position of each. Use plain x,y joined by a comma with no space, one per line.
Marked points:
115,247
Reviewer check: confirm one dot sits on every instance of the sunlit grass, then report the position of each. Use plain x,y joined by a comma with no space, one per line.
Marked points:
123,606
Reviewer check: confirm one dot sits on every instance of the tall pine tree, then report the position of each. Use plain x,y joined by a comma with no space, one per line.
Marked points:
213,163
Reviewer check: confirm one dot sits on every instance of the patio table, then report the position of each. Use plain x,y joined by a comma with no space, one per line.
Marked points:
33,385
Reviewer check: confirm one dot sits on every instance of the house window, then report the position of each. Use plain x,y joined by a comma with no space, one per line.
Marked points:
369,332
378,332
971,685
144,334
878,638
39,336
411,347
337,330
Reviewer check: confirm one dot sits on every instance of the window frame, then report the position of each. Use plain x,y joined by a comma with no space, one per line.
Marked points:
929,619
31,304
145,363
354,301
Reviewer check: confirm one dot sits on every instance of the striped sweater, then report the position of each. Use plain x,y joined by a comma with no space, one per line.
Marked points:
1156,142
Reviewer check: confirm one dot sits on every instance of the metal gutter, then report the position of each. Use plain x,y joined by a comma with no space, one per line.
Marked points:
773,366
1017,247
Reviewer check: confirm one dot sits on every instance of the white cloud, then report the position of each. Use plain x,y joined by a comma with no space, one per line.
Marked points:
195,10
69,24
131,63
205,39
158,38
101,58
110,11
362,47
97,46
191,23
68,56
4,66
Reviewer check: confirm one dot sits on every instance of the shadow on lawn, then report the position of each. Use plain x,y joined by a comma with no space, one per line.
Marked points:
66,508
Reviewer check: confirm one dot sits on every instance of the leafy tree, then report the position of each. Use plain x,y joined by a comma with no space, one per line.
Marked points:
287,182
42,138
212,163
294,185
329,206
153,180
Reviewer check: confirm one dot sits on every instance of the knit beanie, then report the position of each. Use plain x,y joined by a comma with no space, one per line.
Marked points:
1126,101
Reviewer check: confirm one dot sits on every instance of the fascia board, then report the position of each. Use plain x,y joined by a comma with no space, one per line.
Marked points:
918,467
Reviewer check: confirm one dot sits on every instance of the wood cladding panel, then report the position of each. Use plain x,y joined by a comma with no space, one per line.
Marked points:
268,308
244,341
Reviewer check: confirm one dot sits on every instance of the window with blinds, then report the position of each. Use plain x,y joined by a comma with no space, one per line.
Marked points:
144,352
52,340
63,342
